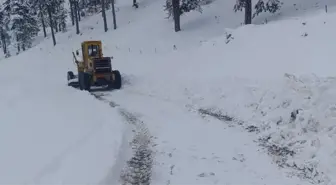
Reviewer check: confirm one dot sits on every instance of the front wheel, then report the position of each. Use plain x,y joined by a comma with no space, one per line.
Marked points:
81,80
117,79
84,81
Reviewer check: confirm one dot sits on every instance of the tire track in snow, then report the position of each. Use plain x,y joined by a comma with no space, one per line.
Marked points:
280,153
137,170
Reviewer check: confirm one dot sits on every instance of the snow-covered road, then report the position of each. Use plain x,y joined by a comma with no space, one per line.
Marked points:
192,148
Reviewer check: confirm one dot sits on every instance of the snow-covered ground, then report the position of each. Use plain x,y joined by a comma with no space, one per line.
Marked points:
213,104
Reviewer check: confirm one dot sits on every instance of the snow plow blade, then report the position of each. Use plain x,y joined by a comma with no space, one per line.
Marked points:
73,83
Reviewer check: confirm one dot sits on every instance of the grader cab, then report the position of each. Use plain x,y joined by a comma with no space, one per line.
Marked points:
93,69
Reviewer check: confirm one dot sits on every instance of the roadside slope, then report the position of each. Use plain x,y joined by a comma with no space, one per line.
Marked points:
50,133
275,81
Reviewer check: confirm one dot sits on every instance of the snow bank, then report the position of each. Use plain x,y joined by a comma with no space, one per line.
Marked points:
276,78
254,56
51,133
293,111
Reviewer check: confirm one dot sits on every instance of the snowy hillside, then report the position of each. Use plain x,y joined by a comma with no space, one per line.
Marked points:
208,105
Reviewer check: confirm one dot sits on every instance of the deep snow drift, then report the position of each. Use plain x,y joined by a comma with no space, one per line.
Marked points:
214,110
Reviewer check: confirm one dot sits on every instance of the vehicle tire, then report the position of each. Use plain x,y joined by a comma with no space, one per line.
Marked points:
70,75
117,80
87,80
81,80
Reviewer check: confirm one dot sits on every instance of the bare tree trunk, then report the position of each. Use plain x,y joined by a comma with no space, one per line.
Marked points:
248,11
56,27
4,47
18,45
72,12
176,14
76,18
42,20
78,11
83,3
3,41
51,25
135,4
114,15
104,15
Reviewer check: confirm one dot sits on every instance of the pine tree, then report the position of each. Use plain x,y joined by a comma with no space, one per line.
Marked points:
185,6
247,6
4,32
7,8
24,23
38,6
62,16
75,5
92,6
107,4
49,4
42,12
59,15
72,13
271,6
176,8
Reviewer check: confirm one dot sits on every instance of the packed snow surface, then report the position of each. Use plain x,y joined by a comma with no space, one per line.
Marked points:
213,104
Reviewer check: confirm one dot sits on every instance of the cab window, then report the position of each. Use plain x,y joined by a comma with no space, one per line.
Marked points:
93,50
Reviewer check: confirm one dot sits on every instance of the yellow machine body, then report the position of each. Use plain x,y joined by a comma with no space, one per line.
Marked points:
94,69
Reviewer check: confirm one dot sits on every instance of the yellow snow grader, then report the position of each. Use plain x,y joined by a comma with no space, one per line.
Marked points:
93,69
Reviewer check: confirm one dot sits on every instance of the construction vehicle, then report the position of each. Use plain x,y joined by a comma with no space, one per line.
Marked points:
94,70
